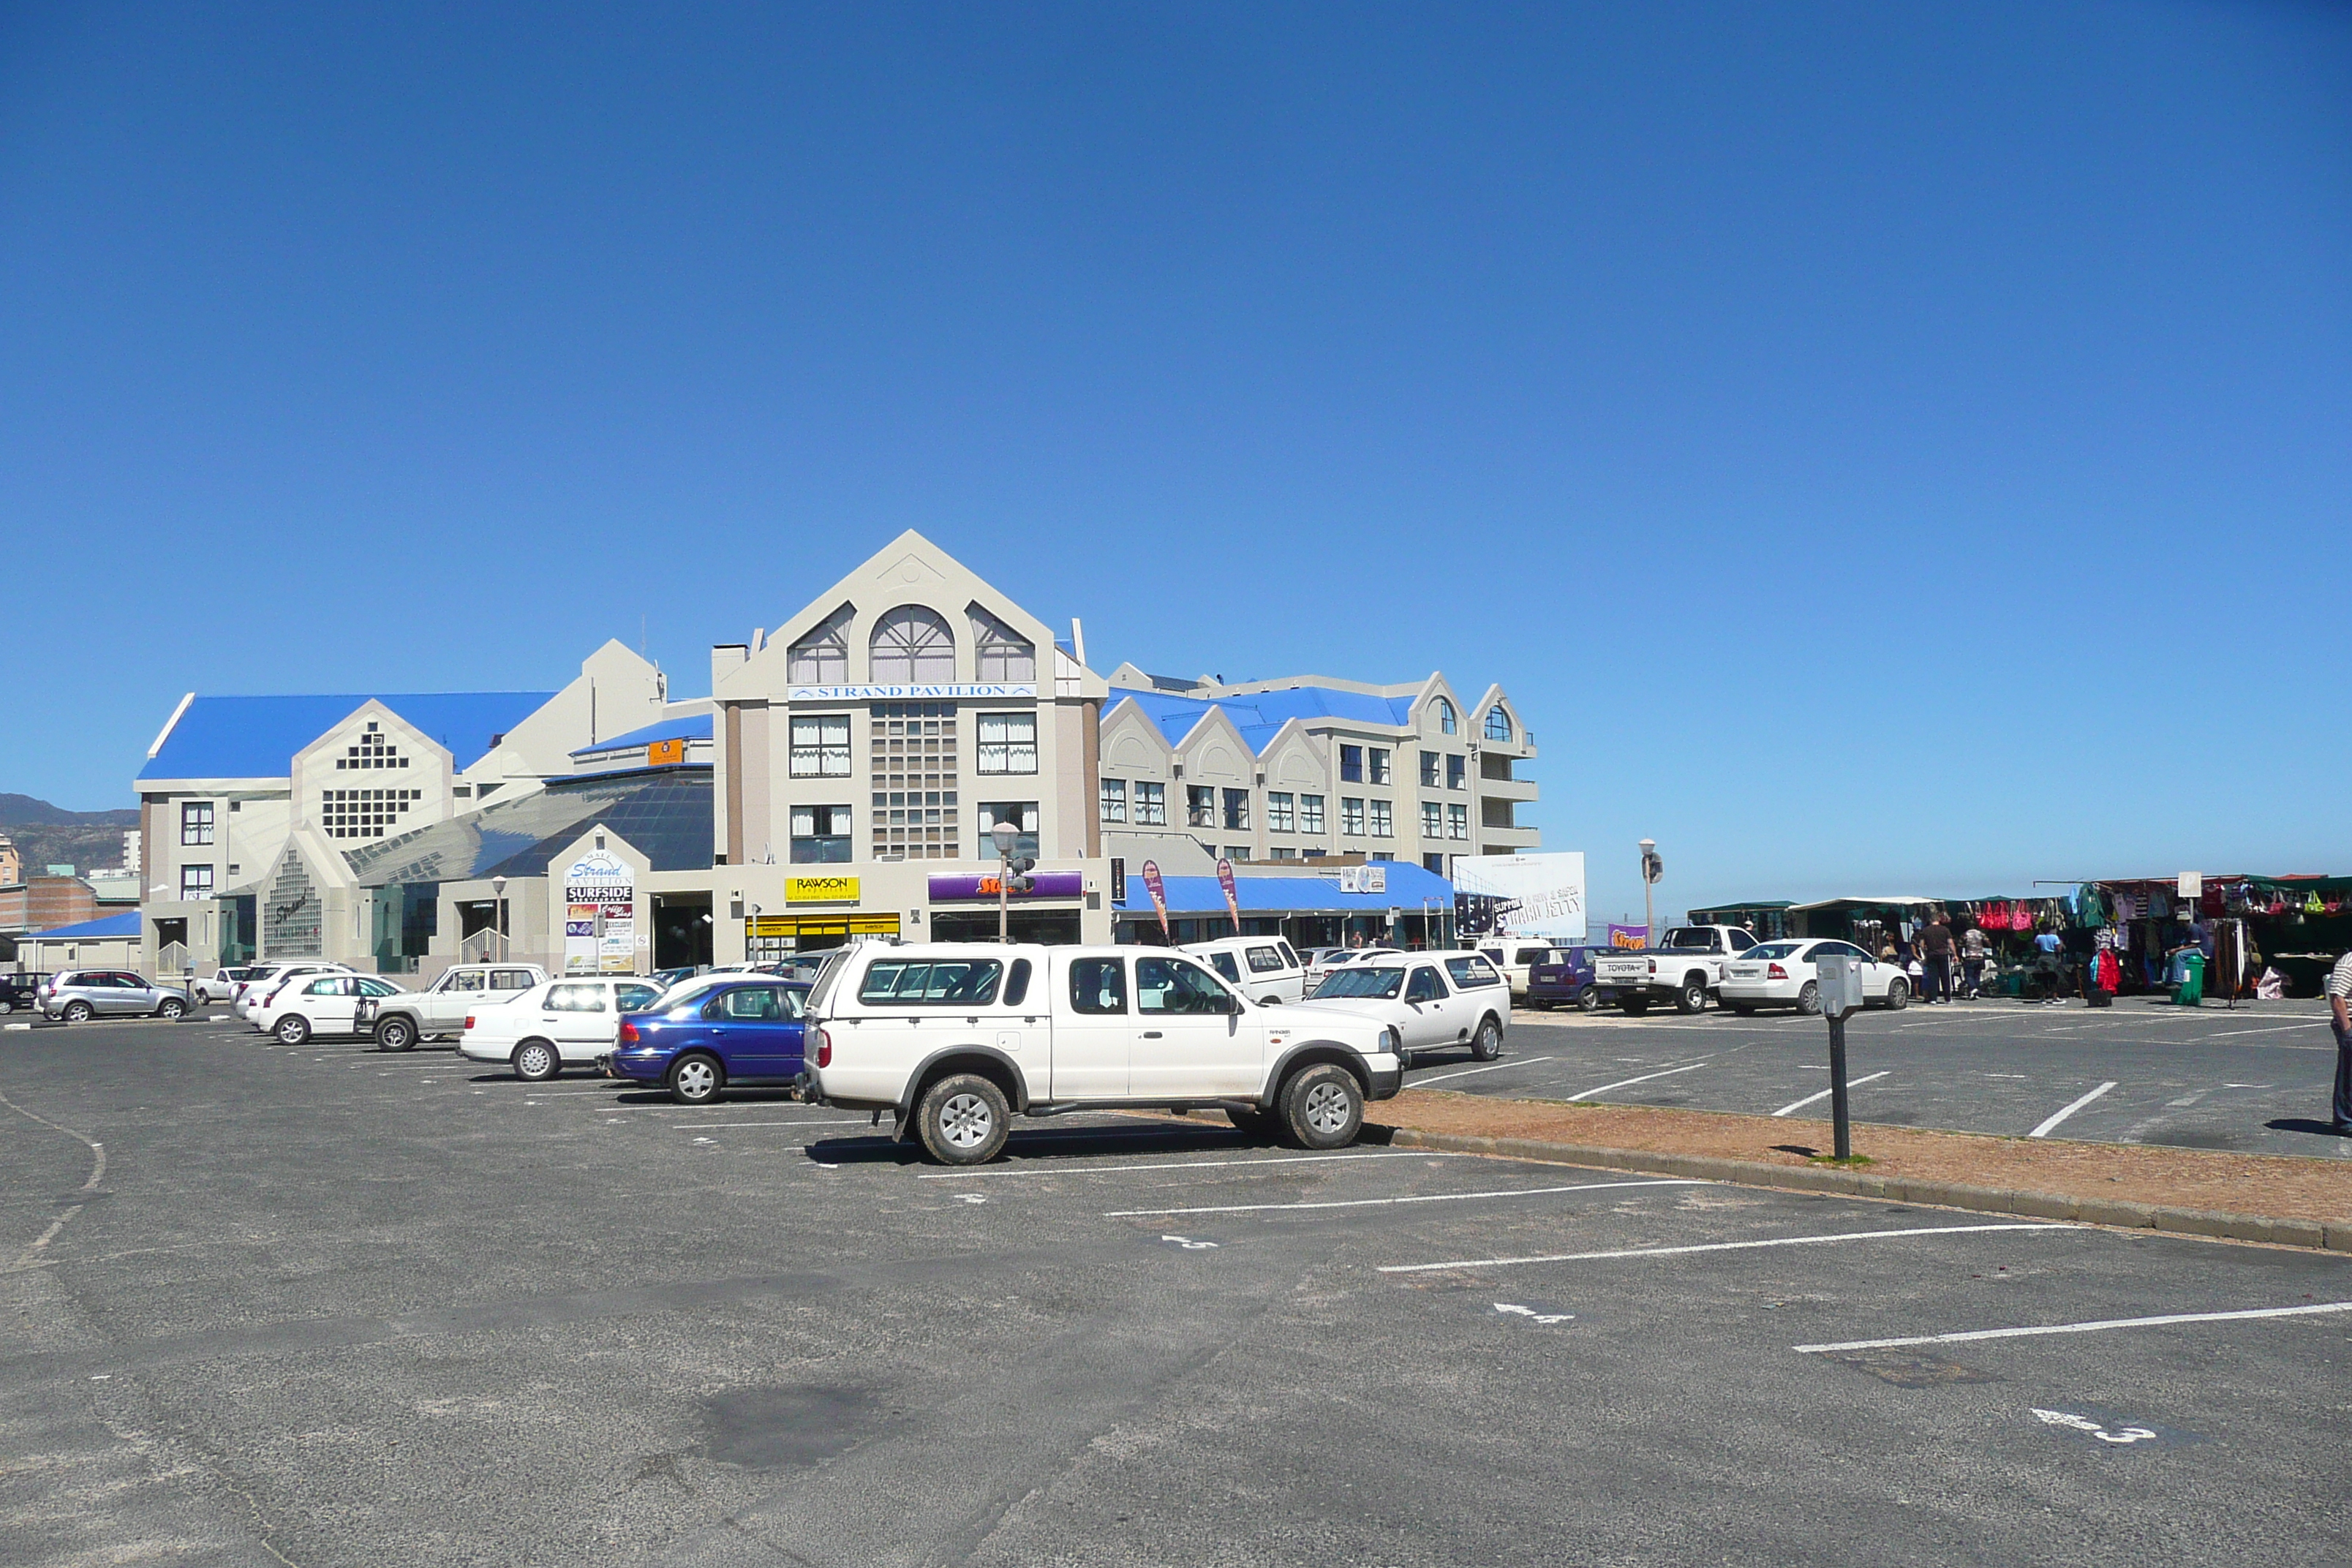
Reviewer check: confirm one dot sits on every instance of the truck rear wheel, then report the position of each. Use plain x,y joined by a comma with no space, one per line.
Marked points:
1692,998
963,1119
1322,1107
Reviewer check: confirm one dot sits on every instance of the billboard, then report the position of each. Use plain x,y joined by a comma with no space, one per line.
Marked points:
1525,895
600,923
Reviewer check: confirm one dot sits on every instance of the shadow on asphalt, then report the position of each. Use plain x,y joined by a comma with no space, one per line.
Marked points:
1048,1143
2305,1124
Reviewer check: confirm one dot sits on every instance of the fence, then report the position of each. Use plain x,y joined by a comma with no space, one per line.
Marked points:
485,946
172,958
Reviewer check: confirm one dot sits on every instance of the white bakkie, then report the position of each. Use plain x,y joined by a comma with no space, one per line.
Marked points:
1687,971
953,1040
1431,999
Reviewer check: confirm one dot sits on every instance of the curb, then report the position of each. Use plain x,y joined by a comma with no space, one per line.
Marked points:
2311,1233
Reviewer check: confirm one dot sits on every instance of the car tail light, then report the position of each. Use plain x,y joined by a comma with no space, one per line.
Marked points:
823,1049
469,1020
1774,972
1653,966
628,1033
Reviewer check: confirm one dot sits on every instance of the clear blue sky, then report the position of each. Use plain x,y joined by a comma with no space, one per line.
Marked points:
1881,446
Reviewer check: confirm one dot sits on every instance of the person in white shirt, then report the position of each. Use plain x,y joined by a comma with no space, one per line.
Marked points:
2339,1010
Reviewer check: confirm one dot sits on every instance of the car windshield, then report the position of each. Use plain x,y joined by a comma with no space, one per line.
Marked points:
1371,980
1772,950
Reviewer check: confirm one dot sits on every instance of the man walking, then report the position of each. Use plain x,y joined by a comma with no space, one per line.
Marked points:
2339,1007
1939,960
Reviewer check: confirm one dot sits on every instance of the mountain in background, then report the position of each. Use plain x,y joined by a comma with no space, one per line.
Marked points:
47,834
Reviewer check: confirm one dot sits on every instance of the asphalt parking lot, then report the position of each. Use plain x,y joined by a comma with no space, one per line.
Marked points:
2254,1079
320,1306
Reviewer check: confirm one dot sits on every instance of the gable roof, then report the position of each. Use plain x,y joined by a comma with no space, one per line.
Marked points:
1260,715
123,924
257,737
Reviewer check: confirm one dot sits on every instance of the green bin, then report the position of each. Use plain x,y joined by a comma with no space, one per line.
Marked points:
2190,992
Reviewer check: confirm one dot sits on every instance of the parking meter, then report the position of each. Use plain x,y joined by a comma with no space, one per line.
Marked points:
1838,976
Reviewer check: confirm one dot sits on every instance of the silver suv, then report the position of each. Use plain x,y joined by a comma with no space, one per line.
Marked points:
78,996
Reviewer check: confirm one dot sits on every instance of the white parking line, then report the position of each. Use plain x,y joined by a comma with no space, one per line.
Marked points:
1645,1078
2089,1328
2067,1110
2273,1029
1432,1198
1850,1083
1720,1246
1466,1072
1187,1164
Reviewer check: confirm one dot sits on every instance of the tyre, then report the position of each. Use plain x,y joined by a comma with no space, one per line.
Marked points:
172,1010
79,1012
292,1029
1745,1010
1589,999
1691,997
1809,1000
963,1119
1636,1006
6,1006
1487,1043
696,1078
536,1061
1322,1107
1899,995
1251,1121
396,1034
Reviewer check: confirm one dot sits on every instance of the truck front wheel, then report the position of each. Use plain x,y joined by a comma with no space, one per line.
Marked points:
1322,1107
963,1119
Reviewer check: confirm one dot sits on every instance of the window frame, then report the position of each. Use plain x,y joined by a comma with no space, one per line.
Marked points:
1111,799
821,750
1310,814
1003,755
1351,816
1279,811
1150,803
196,822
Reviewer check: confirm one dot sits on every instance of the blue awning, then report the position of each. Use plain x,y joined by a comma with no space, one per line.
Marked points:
1409,887
125,924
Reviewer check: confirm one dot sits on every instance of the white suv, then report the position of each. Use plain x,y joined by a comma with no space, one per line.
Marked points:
1263,968
953,1039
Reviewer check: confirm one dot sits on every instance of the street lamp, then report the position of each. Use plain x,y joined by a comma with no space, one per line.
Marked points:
499,893
1652,869
1010,874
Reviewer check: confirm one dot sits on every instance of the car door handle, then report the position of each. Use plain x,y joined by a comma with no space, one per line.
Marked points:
1150,1033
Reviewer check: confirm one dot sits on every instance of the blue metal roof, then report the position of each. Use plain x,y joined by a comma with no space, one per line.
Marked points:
123,924
691,726
1409,887
1260,715
257,737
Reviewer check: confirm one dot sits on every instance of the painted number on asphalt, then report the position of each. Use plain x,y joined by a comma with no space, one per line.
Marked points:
1513,1308
1188,1244
2090,1428
971,1197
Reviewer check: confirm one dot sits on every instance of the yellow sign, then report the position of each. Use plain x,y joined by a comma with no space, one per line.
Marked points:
804,927
820,889
662,753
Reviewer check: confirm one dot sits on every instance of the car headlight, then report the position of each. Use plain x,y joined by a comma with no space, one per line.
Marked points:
1391,1041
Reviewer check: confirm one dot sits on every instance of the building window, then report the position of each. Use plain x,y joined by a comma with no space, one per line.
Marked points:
1002,653
1498,723
1237,811
1429,774
1351,765
1008,743
1021,814
1456,771
913,644
195,822
1150,803
822,657
1435,863
1351,816
1384,820
821,835
1200,806
1114,800
1310,814
195,881
1279,818
372,751
364,812
1433,820
1284,852
1457,822
1444,717
1379,759
912,769
820,746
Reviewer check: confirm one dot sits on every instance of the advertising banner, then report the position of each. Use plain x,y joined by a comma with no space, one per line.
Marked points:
1532,895
1369,878
1225,880
1628,936
600,916
1049,885
1159,891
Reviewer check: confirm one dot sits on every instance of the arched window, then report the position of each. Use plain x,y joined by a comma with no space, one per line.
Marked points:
822,657
1498,723
1002,654
1444,716
913,644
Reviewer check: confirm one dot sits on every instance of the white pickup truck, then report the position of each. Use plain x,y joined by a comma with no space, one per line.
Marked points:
953,1040
1685,970
397,1023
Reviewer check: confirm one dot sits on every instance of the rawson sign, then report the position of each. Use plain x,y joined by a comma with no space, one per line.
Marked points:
600,916
905,693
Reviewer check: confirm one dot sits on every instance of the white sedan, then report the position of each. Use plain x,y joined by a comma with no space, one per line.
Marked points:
1782,975
555,1022
1431,999
318,1005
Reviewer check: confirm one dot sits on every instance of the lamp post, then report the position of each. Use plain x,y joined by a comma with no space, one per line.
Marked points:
498,894
1006,836
1652,869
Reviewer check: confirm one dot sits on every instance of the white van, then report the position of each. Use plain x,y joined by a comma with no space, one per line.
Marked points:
1262,968
1515,959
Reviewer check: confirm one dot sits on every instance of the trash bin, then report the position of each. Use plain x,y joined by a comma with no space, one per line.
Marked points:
2190,992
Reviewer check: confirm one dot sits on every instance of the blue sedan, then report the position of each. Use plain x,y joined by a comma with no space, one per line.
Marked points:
746,1031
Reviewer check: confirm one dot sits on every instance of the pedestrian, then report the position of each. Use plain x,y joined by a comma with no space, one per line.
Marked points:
1939,960
2339,1010
2052,971
1972,959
